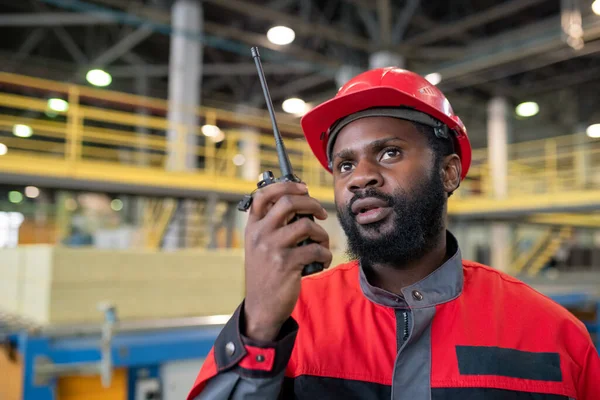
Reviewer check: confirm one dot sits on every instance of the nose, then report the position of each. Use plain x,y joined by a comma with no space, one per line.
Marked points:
365,175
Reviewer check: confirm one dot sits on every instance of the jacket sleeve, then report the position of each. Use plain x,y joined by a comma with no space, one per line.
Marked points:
239,368
589,380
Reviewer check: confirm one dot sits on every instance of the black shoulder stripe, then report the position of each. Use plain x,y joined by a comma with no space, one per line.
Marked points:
489,394
321,388
479,360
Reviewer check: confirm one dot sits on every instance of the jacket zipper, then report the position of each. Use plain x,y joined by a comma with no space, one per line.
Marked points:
405,332
403,329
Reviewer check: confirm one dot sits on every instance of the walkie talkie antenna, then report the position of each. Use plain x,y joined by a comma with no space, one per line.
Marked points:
284,162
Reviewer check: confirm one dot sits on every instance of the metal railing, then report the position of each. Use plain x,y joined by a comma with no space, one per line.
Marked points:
125,129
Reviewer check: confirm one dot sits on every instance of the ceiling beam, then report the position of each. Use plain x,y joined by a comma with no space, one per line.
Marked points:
558,82
519,68
526,42
496,12
255,39
122,46
32,41
384,11
292,88
55,19
69,44
214,69
223,31
402,24
301,27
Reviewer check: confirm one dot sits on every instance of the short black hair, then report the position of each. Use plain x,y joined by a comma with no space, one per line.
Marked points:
441,147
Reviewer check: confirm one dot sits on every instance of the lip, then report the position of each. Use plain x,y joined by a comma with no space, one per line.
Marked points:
373,215
368,203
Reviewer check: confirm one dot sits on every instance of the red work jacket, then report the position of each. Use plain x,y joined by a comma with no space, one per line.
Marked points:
466,331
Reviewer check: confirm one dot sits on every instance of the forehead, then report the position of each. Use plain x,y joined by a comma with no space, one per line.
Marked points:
358,134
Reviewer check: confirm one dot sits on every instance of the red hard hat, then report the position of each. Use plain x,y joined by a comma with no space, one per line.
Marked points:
384,87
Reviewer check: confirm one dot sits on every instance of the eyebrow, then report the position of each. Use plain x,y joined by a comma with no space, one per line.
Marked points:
375,144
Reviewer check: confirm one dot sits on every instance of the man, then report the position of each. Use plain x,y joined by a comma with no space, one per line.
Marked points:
409,319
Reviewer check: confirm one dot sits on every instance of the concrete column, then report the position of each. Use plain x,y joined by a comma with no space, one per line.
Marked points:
583,177
249,147
497,130
141,131
185,64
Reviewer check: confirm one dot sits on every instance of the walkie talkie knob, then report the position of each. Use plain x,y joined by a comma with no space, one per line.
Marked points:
266,178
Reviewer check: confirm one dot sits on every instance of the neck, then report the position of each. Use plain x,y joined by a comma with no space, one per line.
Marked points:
393,278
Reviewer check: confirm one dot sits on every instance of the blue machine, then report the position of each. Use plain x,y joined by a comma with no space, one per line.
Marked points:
50,353
144,346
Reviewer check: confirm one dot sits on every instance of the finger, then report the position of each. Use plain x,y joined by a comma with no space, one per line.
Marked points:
265,197
294,233
289,205
314,252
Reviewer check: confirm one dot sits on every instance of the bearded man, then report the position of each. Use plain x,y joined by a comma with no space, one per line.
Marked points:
408,318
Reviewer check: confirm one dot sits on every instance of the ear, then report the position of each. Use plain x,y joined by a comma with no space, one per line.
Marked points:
451,171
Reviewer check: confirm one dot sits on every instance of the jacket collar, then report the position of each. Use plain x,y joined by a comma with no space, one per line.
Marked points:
442,285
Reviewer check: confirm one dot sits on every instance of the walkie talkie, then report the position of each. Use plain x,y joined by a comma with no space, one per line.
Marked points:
287,175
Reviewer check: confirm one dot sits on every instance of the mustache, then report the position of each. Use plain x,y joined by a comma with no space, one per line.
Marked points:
369,193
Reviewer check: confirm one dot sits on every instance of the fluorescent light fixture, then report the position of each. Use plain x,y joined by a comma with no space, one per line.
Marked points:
239,159
294,106
210,130
593,131
281,35
58,105
15,197
527,109
3,149
32,192
116,204
23,131
596,7
434,78
98,77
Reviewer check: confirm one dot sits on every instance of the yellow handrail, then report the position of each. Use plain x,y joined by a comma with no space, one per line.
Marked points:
104,125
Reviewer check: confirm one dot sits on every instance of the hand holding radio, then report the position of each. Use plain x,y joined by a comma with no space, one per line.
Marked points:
282,241
273,259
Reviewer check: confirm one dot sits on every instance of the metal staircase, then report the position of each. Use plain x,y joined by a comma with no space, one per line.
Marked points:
548,241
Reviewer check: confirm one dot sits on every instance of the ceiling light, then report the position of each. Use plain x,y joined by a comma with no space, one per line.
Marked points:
15,197
596,7
294,106
593,131
239,159
219,137
281,35
97,77
116,204
434,78
527,109
32,192
3,149
210,130
58,105
23,131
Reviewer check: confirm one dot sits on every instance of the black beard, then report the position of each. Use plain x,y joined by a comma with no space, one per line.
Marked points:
418,219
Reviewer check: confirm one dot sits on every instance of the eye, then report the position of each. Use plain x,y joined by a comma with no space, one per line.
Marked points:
390,153
345,166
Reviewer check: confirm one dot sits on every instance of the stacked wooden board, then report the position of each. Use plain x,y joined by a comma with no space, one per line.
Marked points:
58,285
